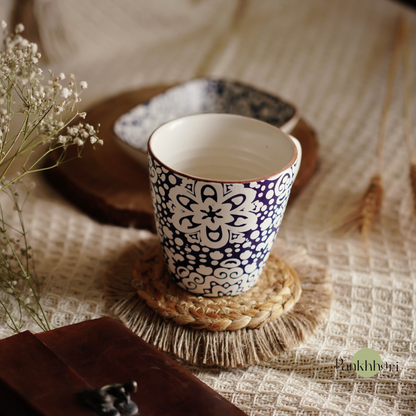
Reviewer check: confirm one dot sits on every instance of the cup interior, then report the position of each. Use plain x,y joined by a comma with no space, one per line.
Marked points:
222,147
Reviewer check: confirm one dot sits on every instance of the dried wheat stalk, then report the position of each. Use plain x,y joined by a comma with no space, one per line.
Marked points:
366,210
406,109
362,213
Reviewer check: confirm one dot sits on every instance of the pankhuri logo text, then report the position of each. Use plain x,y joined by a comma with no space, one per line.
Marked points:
366,363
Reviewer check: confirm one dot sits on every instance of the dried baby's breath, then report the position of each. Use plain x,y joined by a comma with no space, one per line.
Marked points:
37,117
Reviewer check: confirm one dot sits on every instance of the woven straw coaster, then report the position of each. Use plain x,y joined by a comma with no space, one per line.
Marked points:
272,317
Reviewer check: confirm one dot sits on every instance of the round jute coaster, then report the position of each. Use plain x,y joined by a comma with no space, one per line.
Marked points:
272,317
275,293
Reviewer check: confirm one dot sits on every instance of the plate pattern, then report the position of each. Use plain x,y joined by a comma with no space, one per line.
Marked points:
201,96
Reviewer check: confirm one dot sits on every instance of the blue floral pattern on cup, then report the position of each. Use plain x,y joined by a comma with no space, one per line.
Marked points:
202,96
216,237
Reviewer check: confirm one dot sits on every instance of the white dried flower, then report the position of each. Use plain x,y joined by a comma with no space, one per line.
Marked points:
83,115
78,142
19,28
62,139
83,85
3,24
30,185
61,76
73,131
65,93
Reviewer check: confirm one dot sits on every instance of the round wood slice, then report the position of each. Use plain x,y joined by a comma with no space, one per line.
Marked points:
112,188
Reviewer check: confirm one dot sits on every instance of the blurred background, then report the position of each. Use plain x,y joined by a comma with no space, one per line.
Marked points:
117,46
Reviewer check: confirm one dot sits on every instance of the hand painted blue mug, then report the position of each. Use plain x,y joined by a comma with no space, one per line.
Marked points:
220,185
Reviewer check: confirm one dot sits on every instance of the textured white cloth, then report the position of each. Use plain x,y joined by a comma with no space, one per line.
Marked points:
331,58
129,43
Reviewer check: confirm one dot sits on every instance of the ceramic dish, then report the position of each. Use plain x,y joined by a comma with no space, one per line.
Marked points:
134,128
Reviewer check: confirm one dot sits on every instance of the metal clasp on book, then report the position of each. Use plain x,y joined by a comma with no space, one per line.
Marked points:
112,400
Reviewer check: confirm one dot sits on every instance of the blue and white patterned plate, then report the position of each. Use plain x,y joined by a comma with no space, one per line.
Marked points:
204,95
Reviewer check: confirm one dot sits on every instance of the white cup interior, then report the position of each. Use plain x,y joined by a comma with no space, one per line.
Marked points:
222,147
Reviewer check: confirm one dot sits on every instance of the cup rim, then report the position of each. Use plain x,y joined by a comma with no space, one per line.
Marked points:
199,178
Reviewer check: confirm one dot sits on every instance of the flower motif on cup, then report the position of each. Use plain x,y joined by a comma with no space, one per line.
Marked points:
216,237
212,213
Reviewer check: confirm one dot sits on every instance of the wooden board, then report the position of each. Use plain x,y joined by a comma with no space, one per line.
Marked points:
113,189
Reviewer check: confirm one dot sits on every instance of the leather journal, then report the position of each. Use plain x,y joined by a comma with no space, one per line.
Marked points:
46,374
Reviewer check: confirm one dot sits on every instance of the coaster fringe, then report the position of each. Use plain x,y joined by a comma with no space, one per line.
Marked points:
227,349
276,292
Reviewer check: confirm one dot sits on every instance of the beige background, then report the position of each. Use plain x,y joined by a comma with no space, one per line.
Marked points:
329,57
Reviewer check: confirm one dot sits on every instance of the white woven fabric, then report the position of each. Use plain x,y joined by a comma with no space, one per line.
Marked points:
331,58
129,43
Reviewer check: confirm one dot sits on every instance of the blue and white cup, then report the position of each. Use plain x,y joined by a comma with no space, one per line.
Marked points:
220,184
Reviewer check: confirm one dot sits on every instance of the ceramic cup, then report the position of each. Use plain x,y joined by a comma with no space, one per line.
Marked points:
220,184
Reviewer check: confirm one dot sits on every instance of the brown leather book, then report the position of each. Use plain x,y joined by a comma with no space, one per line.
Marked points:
35,381
44,374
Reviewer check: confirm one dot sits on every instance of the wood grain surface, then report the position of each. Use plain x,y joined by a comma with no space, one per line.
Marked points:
112,188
